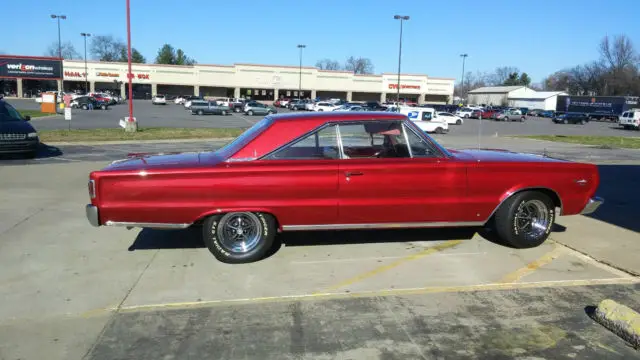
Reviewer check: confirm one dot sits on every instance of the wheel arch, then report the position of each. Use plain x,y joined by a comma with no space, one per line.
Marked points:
221,211
552,194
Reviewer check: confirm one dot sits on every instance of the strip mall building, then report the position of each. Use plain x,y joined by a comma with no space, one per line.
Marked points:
260,82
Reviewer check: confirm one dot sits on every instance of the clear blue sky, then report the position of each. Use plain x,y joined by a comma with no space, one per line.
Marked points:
537,36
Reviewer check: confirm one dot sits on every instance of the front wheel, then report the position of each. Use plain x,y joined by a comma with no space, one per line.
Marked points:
224,112
250,112
103,107
439,130
237,109
582,122
239,237
200,112
459,122
525,219
269,112
85,107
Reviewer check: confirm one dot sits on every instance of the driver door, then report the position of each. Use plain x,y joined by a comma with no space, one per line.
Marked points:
414,185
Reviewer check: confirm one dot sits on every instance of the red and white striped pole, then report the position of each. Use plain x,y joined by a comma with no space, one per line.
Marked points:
130,74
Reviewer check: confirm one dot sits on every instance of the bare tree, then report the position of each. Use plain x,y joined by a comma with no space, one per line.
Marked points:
68,51
359,65
619,53
501,74
106,48
328,64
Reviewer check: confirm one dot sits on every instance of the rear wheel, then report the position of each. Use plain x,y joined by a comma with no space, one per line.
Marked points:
525,219
103,107
269,112
565,121
237,109
224,112
200,112
239,237
439,130
250,112
582,122
459,122
85,107
506,118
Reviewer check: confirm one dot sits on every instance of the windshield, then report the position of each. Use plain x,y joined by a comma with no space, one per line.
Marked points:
244,138
8,113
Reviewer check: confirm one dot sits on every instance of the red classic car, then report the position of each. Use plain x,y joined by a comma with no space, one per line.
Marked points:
334,171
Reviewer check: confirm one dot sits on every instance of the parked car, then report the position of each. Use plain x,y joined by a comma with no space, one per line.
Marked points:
630,119
510,115
571,118
547,114
298,105
86,102
450,118
488,114
259,109
535,112
189,99
209,108
17,136
309,105
179,100
362,169
426,119
325,106
159,100
376,106
464,112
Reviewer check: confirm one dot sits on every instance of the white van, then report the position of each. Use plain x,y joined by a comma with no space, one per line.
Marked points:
630,119
426,119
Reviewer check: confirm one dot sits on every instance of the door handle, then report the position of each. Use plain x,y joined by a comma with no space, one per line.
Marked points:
353,173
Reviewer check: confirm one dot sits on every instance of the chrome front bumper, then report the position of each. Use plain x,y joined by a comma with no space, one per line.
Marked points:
92,215
592,205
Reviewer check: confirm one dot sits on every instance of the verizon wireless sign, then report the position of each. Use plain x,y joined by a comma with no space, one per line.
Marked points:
29,68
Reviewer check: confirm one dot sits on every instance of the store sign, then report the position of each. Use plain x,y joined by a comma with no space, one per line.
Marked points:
74,74
404,86
143,76
107,74
29,68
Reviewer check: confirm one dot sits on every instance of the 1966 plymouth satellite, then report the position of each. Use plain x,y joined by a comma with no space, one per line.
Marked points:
336,171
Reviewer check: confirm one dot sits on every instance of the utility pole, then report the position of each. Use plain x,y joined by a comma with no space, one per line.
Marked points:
131,125
401,18
86,72
58,17
300,46
464,57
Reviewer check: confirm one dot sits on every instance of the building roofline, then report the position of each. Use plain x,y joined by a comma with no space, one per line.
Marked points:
396,74
30,57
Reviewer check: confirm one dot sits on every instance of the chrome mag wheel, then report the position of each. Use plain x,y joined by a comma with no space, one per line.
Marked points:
532,219
239,232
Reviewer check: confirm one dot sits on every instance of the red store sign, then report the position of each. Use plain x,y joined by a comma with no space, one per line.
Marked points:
139,76
403,86
74,74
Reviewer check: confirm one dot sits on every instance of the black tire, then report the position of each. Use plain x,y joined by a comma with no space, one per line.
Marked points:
103,107
439,130
459,122
31,154
250,112
237,109
506,118
565,121
223,113
85,107
219,247
583,122
269,112
466,116
200,112
522,119
507,225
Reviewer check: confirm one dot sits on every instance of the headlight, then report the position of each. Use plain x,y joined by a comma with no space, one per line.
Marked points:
32,135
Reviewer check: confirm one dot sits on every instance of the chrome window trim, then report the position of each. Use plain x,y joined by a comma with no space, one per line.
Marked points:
295,140
434,145
147,225
406,139
339,138
407,225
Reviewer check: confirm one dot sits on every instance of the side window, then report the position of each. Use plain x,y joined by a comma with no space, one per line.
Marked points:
373,139
631,114
419,146
426,116
320,145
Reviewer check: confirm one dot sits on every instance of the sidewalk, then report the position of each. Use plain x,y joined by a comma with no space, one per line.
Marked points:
609,244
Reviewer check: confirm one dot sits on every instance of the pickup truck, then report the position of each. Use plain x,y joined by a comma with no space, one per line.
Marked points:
210,108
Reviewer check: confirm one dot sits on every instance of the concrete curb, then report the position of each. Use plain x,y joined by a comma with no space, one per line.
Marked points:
123,142
620,319
45,117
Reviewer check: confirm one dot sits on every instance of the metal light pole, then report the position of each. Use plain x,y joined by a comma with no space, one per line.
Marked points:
401,18
300,46
86,72
58,17
130,74
464,57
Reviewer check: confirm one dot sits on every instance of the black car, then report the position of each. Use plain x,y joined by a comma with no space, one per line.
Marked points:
84,102
374,106
16,134
571,118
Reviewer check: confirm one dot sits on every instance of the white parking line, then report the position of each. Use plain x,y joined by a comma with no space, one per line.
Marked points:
250,122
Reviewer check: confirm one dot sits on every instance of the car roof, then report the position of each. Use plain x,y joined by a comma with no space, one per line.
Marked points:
339,116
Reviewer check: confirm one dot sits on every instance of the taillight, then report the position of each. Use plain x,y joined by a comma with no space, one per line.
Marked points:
92,189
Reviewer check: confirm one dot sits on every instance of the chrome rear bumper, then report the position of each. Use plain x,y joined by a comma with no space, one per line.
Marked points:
92,215
592,205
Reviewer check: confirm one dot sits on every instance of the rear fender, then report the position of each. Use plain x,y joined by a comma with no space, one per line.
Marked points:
220,211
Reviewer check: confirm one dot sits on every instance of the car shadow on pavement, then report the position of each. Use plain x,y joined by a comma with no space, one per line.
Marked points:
44,151
152,239
619,186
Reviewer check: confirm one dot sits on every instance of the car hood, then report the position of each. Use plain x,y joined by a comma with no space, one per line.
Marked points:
16,127
173,160
499,155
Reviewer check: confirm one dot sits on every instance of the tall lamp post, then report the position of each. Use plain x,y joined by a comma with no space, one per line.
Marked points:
402,19
300,46
58,17
464,57
132,125
86,72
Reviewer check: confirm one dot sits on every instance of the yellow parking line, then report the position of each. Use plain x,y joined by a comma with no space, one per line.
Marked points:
383,268
532,266
377,293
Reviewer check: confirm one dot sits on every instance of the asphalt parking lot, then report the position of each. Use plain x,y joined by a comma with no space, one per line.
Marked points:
72,291
172,115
